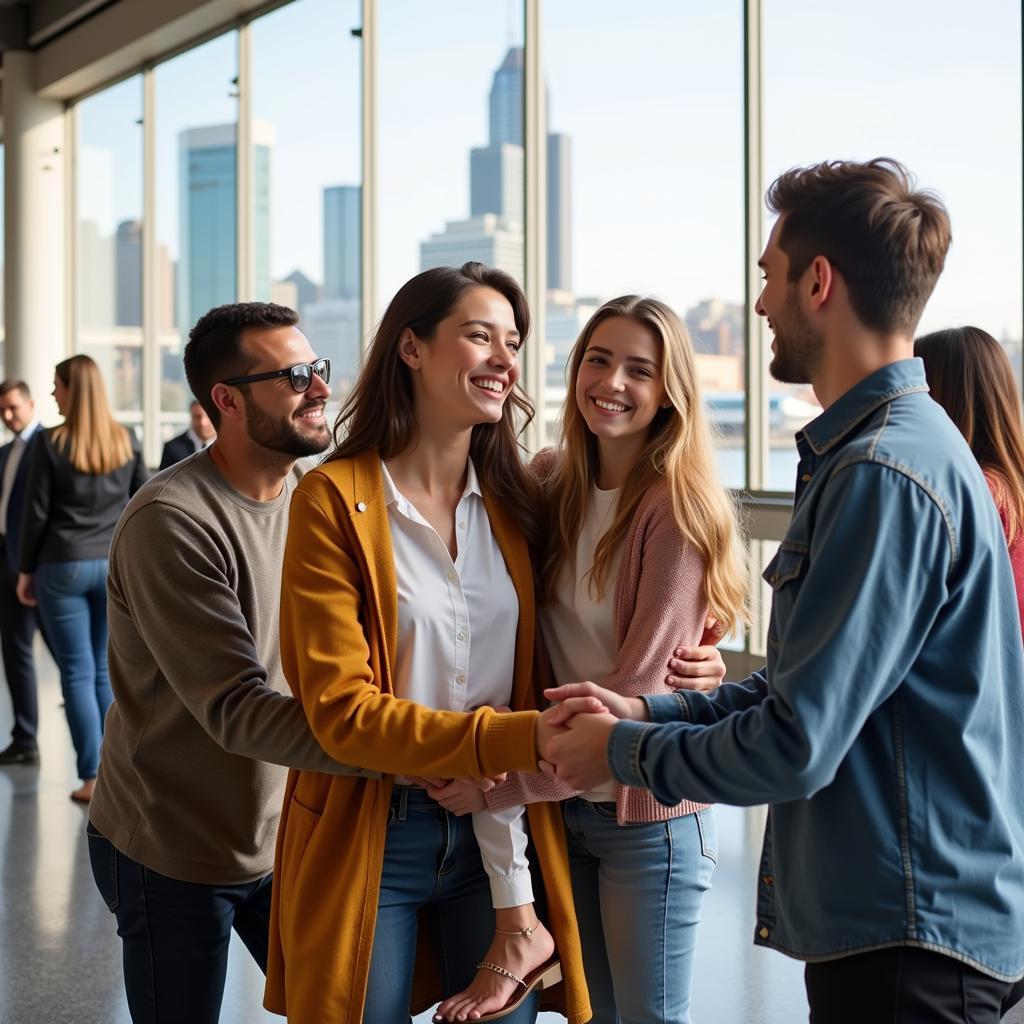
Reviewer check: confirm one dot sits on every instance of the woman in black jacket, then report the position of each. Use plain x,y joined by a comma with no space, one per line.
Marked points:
81,475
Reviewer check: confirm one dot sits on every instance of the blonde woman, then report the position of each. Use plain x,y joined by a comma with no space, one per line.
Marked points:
81,475
642,546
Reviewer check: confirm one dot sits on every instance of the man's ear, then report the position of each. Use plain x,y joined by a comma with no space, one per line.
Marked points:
821,277
409,349
228,402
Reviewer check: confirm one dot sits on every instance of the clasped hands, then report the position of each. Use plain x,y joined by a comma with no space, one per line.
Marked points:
572,735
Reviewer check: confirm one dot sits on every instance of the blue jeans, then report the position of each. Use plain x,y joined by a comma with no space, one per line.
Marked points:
431,860
175,935
72,600
638,891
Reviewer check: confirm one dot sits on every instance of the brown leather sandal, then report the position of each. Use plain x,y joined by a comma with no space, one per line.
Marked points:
546,976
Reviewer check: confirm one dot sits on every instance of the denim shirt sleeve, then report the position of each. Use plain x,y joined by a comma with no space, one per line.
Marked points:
874,581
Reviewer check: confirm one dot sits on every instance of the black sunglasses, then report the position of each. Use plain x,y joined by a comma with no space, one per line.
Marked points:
300,375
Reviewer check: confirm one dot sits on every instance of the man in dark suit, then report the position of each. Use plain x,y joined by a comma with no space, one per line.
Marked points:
18,624
195,439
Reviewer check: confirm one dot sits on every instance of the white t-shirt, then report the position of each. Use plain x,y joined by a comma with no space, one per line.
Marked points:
579,629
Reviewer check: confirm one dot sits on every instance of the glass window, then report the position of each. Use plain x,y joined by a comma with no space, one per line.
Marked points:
196,194
307,193
645,184
941,93
108,241
450,137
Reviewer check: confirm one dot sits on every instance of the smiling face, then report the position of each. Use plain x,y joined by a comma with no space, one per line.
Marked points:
464,374
17,410
620,384
277,417
797,347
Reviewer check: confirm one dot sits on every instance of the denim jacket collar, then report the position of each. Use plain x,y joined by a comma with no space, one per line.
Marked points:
855,405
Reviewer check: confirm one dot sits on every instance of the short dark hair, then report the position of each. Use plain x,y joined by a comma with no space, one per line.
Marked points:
214,350
15,384
887,239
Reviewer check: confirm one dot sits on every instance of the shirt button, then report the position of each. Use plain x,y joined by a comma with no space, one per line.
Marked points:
461,680
462,635
462,525
360,506
767,879
451,575
806,478
763,933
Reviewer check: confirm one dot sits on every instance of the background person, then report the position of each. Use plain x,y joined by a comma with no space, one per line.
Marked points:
18,622
199,435
970,376
81,476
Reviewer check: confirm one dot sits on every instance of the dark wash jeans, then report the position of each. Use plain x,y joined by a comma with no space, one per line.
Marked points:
906,985
175,935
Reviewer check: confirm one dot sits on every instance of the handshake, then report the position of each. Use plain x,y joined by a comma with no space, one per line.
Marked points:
572,734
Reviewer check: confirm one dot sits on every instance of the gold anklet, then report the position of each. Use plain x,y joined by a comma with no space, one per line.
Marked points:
527,933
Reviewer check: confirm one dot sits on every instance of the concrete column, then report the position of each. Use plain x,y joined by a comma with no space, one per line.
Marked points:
35,236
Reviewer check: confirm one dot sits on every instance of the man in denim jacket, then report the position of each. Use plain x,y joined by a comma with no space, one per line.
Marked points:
887,730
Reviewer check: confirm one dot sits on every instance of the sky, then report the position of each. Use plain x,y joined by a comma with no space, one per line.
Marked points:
652,97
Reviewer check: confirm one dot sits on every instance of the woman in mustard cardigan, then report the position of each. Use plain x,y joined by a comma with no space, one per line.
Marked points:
381,905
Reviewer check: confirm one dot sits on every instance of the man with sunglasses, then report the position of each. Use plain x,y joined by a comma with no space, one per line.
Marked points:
184,816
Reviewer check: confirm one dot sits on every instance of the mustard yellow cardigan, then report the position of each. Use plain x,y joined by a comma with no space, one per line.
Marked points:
339,627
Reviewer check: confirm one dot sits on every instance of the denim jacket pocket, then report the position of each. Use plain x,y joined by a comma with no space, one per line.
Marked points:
781,574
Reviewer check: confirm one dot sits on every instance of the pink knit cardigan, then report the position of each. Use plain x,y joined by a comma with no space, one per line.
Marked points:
659,604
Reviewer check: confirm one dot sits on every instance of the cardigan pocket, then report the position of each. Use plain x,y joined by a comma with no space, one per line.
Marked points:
298,831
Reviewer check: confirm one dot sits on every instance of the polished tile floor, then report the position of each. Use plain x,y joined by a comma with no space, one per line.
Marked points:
59,954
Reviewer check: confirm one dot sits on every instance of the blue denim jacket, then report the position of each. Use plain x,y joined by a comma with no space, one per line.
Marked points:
887,730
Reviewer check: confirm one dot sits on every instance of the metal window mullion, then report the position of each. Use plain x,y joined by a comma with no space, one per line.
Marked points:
245,257
368,191
535,205
71,229
756,425
152,364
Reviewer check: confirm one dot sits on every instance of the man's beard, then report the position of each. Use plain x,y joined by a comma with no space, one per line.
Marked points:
797,347
281,434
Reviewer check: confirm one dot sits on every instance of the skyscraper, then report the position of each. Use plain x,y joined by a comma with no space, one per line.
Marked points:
343,218
559,212
208,181
488,239
128,273
505,103
497,187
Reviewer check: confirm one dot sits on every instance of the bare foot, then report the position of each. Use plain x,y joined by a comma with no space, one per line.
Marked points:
83,794
489,991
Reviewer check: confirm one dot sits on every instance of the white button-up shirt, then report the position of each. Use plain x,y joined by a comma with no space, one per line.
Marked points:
457,624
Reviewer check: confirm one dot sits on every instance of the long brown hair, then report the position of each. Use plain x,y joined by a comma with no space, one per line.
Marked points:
379,414
93,440
970,376
678,450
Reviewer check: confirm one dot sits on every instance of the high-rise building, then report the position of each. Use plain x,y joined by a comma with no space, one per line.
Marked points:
306,290
343,218
559,212
496,182
505,103
208,182
487,239
128,273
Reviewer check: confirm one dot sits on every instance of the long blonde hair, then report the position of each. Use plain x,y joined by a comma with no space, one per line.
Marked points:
679,451
93,440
